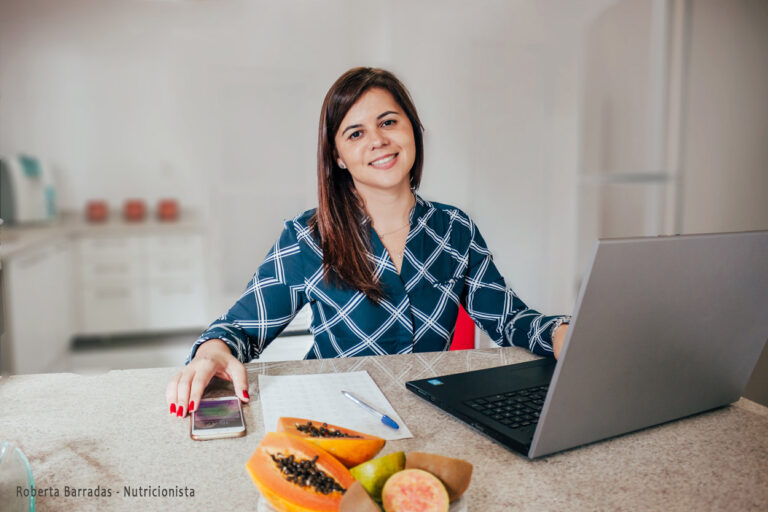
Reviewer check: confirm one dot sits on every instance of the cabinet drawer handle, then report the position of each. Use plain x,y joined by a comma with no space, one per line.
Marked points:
174,266
109,268
175,290
108,243
112,293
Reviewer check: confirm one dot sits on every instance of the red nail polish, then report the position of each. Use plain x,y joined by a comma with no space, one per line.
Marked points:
180,413
192,405
245,394
173,408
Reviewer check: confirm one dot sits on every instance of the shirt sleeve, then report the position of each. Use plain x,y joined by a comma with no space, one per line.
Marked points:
267,306
497,310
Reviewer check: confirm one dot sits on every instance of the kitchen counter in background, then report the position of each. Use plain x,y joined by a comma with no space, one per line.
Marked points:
114,430
18,238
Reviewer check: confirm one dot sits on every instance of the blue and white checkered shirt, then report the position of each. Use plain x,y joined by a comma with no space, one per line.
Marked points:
446,263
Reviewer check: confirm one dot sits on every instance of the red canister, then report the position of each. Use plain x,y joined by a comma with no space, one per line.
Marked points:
134,210
96,211
168,210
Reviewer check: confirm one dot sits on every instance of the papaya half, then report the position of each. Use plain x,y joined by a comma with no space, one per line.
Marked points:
297,476
350,447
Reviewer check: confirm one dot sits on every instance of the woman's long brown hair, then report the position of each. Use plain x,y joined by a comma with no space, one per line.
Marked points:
340,220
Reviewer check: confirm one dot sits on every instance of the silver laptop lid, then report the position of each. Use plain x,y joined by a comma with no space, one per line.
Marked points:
663,328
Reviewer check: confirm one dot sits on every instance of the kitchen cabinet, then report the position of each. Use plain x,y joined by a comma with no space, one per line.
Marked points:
71,278
673,125
141,282
176,288
39,306
110,272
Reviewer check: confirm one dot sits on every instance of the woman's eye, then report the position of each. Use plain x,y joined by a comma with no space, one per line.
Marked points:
388,122
355,135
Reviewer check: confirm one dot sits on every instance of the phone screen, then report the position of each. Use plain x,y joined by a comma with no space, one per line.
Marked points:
212,414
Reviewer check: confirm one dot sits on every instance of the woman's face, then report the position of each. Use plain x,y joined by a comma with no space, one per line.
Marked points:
375,143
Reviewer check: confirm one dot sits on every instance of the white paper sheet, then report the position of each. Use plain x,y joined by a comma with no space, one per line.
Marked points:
318,397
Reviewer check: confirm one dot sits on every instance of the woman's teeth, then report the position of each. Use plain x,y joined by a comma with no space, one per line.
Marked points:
384,161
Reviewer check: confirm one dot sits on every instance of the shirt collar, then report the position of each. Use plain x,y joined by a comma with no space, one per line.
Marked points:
420,209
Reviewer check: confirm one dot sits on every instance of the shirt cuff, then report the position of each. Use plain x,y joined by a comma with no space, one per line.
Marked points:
563,320
541,344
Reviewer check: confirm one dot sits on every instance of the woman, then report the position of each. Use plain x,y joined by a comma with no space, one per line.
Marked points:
383,270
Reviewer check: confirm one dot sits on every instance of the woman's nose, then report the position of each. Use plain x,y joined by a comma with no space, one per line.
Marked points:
378,140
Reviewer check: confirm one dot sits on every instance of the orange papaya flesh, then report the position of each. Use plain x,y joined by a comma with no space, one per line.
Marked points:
297,476
349,446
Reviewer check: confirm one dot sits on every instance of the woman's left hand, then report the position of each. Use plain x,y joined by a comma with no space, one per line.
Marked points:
558,338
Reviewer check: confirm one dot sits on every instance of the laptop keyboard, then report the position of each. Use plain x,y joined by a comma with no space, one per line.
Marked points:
515,409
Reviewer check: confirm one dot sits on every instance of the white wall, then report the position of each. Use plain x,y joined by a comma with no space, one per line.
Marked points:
217,102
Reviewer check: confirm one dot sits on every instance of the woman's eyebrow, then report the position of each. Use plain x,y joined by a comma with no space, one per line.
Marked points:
386,113
353,126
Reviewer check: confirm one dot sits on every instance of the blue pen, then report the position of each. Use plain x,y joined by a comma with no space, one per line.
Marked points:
384,418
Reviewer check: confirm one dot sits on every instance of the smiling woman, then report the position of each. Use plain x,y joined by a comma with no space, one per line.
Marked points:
383,270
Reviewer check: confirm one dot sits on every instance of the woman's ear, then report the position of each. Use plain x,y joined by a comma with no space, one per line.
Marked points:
339,162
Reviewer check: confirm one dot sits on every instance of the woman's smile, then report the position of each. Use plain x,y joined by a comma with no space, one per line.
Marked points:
385,162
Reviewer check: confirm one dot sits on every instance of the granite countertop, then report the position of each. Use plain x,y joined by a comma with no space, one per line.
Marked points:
114,430
15,239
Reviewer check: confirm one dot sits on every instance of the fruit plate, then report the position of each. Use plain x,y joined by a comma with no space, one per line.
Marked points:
459,505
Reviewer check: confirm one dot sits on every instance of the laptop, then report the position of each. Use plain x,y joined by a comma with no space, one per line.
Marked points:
664,328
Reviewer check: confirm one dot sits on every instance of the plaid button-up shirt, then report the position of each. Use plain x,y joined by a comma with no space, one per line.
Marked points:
446,263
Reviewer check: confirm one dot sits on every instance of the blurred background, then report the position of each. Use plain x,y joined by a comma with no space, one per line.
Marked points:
152,148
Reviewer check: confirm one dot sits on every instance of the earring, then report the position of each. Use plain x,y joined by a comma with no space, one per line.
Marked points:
341,164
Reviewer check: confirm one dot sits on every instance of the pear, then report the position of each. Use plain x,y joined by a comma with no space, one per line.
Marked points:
374,473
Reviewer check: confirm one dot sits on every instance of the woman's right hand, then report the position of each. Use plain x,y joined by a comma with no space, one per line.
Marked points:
212,359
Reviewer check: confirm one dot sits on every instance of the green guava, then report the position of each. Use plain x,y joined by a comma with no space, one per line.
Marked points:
374,473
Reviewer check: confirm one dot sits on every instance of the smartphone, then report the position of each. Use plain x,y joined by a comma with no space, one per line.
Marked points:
216,418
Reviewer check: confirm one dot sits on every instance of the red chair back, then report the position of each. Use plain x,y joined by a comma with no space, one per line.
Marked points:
464,335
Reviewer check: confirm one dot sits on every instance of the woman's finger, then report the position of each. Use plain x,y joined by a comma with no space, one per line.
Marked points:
239,375
171,393
182,399
201,379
